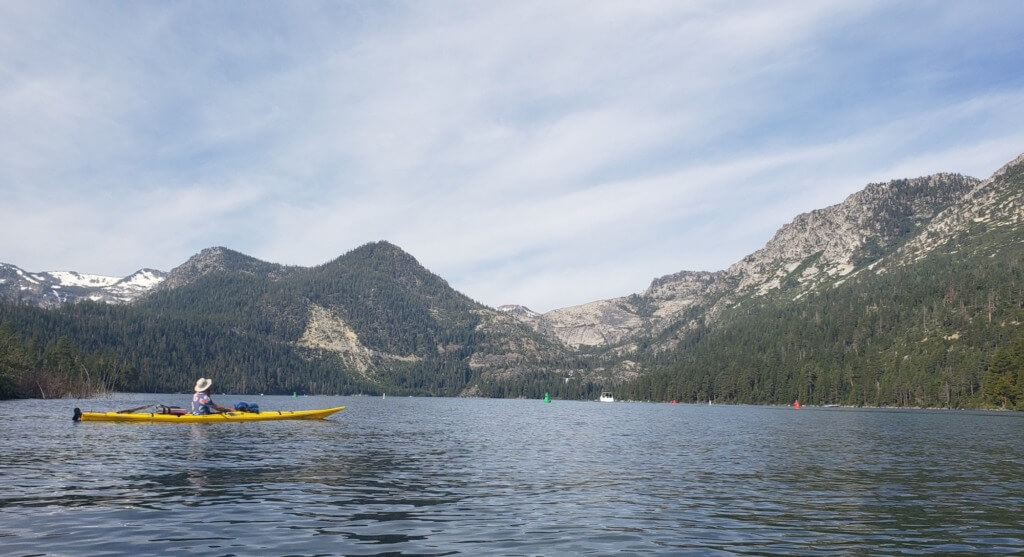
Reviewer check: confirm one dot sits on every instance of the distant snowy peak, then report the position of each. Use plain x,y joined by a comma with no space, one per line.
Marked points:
49,289
54,288
71,278
132,286
521,312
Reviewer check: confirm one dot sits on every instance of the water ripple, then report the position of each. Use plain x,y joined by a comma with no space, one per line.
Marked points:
446,476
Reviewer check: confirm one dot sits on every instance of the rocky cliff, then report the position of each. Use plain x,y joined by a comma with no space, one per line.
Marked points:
815,250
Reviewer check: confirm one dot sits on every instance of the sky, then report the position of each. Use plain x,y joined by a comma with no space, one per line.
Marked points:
547,153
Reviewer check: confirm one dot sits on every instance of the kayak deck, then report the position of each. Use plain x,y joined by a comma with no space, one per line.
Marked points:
266,415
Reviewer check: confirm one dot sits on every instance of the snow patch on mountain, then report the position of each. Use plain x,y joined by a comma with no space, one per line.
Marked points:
71,278
54,288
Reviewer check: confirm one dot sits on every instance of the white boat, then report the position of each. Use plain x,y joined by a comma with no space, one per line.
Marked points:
606,397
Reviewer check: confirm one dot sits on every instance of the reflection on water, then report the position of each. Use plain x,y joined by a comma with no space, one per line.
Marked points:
450,476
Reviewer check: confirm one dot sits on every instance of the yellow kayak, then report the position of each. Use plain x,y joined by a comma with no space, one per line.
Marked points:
318,414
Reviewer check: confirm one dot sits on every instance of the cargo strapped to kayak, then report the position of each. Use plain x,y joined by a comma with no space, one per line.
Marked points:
173,410
248,407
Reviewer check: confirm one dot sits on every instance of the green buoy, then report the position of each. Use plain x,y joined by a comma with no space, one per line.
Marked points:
547,398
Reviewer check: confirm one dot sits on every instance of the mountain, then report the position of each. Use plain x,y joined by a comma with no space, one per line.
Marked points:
815,250
220,260
915,320
381,312
899,295
49,289
372,320
823,246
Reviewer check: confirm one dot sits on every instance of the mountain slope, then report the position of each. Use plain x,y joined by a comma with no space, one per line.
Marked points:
917,335
220,260
372,320
820,246
816,249
915,326
997,203
394,318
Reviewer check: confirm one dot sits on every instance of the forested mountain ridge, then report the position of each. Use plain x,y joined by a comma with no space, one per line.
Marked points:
372,320
925,334
903,294
923,323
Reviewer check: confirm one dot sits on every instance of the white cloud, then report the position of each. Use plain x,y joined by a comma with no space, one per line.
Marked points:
529,152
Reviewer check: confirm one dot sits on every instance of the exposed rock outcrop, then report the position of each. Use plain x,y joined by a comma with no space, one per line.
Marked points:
816,249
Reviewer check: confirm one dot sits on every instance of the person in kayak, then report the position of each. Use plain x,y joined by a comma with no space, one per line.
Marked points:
201,401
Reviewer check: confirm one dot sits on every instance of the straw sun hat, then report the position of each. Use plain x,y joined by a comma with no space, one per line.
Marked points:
203,384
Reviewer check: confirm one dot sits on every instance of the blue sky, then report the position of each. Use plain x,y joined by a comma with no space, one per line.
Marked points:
542,153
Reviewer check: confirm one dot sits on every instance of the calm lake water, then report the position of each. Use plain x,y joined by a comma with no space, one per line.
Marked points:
419,476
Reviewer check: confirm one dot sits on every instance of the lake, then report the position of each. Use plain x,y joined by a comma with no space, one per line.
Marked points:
423,476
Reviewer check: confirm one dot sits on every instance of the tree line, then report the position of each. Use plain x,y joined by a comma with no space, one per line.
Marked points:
36,368
921,335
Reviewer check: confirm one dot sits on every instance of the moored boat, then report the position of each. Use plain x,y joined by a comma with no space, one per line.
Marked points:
154,417
607,397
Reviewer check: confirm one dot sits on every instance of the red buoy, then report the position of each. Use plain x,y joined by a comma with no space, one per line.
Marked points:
796,405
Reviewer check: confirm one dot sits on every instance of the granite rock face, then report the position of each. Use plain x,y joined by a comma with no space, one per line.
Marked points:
816,250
